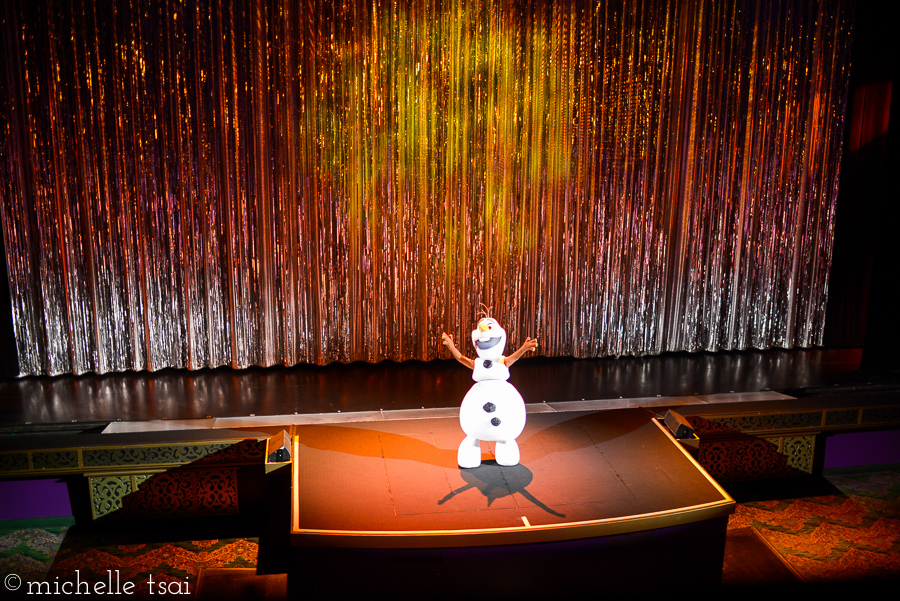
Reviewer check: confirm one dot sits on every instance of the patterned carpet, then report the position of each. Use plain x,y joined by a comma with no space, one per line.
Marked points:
28,547
847,530
38,551
172,567
848,533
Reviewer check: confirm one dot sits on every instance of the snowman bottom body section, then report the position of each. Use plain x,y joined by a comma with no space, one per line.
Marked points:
493,410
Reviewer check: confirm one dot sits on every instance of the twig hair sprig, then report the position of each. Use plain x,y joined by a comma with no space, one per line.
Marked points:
485,312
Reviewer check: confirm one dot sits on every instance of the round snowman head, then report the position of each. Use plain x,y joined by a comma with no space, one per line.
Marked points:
489,339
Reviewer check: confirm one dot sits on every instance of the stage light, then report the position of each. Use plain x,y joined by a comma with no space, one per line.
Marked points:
278,451
678,425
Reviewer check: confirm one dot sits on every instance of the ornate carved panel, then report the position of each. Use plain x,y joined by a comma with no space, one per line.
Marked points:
175,493
881,415
95,459
842,417
729,424
161,455
107,493
54,460
13,462
799,452
751,458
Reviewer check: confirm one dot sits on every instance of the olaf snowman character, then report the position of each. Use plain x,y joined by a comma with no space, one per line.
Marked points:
493,409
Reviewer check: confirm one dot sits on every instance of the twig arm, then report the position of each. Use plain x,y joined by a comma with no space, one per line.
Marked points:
530,345
447,340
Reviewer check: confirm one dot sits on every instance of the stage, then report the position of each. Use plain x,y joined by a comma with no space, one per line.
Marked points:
581,475
45,405
602,492
119,429
609,488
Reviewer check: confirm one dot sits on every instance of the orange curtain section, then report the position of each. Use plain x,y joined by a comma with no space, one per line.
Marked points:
200,183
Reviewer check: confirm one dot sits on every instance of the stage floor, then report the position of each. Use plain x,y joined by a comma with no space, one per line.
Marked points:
396,484
73,402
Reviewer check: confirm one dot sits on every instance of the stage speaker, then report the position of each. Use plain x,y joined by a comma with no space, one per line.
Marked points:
278,448
678,426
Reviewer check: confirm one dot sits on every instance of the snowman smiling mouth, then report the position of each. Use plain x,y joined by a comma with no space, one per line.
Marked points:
489,343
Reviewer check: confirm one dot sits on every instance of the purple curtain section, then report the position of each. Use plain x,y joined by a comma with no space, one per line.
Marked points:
192,184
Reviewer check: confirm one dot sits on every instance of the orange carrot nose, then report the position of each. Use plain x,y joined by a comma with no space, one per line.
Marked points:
483,327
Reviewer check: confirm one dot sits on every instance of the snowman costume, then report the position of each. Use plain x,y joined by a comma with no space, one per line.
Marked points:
493,409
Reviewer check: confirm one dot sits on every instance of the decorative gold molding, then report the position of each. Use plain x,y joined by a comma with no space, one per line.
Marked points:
765,444
121,459
783,422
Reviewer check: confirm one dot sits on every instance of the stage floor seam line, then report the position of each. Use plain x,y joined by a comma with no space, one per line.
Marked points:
298,419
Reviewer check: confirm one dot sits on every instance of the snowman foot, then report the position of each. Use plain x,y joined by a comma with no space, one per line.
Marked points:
469,454
507,452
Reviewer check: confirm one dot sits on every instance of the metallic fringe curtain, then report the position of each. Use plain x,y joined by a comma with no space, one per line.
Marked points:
210,182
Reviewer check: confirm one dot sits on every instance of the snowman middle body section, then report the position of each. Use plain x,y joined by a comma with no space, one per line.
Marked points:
492,410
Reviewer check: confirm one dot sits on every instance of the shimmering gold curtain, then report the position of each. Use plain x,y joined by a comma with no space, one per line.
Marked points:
214,182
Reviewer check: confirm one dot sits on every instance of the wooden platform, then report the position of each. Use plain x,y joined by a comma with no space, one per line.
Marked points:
582,475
